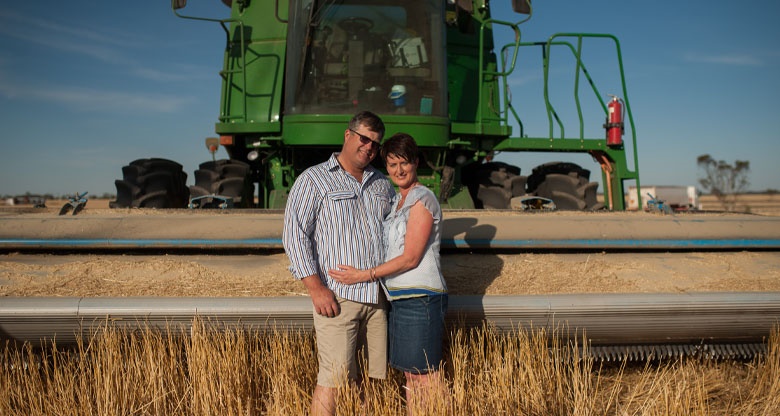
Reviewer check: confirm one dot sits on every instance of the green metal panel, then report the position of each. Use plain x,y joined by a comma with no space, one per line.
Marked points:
466,50
303,130
236,127
256,45
550,144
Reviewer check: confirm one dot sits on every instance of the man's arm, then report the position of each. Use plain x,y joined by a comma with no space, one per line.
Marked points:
299,225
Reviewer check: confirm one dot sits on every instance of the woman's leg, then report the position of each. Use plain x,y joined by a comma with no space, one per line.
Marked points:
415,344
425,393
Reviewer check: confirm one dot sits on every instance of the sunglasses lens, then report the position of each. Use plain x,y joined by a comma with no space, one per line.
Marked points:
366,140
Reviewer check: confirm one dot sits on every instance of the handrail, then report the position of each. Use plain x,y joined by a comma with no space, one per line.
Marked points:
223,23
578,55
592,145
622,83
580,68
502,74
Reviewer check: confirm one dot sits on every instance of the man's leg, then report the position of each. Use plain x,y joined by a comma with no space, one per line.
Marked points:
323,401
376,338
336,348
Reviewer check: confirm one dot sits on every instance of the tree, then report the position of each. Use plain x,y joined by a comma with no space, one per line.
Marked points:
723,180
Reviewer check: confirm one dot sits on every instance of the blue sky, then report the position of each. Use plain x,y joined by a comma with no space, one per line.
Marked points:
86,86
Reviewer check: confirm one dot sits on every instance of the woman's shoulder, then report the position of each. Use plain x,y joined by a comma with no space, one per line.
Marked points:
420,192
423,191
426,197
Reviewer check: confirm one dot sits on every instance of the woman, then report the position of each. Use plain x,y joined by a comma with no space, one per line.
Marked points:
411,275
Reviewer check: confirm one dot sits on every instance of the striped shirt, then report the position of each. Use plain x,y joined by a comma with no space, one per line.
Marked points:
333,219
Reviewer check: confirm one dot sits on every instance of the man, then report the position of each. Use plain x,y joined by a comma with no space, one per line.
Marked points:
334,216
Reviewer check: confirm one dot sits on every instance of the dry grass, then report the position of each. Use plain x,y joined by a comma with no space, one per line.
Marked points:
243,372
763,204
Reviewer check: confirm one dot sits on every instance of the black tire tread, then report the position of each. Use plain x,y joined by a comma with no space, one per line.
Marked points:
152,183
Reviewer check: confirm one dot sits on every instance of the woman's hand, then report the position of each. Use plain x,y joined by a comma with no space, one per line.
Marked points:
349,275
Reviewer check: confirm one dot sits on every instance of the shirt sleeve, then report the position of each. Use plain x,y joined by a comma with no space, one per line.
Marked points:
428,199
300,216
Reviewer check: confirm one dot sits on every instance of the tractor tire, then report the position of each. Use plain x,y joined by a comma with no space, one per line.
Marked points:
226,178
566,184
151,183
493,197
539,173
492,185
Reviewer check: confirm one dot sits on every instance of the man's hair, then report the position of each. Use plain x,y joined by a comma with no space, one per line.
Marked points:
400,145
370,120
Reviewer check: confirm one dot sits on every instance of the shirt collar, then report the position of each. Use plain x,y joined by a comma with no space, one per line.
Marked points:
333,164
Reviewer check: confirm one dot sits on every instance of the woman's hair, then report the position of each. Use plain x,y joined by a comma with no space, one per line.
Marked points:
400,145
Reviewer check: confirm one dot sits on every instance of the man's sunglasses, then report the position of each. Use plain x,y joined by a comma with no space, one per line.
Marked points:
366,140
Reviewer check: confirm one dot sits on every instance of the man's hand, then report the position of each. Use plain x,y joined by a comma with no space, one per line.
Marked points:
324,300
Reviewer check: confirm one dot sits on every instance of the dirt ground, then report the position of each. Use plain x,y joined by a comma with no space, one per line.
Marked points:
266,274
761,204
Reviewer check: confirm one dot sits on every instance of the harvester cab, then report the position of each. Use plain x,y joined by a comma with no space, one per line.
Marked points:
295,71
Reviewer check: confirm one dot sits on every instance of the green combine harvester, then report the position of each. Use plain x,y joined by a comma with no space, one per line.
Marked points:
295,71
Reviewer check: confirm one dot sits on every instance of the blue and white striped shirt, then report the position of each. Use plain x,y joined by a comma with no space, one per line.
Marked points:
333,219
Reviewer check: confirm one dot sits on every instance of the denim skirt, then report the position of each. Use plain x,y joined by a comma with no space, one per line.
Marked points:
415,330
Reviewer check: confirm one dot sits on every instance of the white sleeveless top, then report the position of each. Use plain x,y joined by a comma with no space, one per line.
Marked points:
426,278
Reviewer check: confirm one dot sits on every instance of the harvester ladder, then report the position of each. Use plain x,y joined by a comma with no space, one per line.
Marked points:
225,113
237,69
486,76
224,74
260,50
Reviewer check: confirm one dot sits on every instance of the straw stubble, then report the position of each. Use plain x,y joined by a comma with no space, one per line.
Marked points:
210,369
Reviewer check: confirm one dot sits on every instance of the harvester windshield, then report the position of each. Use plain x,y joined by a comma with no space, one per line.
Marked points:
383,55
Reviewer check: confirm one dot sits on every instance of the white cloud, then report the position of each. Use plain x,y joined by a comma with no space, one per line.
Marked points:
178,73
523,79
73,40
53,30
84,99
94,48
725,59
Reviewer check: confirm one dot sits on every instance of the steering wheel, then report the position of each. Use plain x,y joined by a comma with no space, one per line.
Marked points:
355,25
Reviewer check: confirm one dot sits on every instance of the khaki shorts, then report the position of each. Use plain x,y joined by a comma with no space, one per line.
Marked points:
339,339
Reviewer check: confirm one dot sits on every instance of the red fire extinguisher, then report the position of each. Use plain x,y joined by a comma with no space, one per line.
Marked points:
614,125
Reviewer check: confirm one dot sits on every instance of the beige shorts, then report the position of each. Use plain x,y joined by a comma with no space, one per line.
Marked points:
359,326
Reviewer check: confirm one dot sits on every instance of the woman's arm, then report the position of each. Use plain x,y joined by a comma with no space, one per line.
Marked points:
418,230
